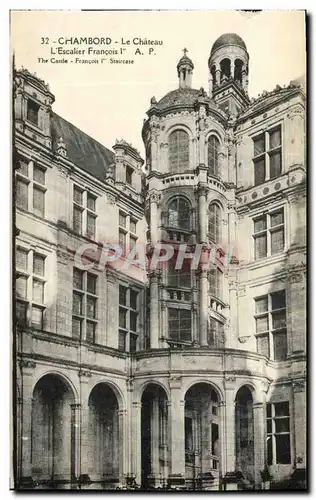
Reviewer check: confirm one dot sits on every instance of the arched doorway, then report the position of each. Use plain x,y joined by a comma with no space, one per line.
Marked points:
202,437
103,444
244,433
154,436
53,431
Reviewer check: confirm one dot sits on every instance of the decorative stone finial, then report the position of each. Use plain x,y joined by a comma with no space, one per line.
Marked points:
62,148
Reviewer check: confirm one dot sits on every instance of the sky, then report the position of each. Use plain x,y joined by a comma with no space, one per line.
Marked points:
109,101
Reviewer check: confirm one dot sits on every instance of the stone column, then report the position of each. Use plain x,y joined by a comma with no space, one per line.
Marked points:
85,444
230,434
154,310
154,198
122,444
259,440
75,441
217,75
155,477
27,368
203,307
232,68
232,250
210,85
136,441
176,434
297,131
231,342
244,79
299,419
202,213
222,164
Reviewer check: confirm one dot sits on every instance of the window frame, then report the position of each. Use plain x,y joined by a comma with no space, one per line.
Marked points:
31,100
268,231
213,165
85,295
32,185
31,304
272,417
180,329
178,227
124,230
85,211
271,332
267,153
126,331
217,224
177,164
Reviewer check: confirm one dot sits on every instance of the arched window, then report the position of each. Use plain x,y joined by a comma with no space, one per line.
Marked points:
238,70
225,69
179,214
178,151
214,225
212,154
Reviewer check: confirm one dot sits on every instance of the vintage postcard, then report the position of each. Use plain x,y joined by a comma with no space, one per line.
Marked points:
159,226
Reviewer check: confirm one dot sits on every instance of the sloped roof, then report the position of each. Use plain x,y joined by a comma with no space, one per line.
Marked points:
82,150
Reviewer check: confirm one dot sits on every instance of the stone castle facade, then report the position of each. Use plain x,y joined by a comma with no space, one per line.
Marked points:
163,378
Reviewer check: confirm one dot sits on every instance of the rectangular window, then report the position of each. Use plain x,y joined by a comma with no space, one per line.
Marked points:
127,231
128,318
32,111
129,175
30,287
267,155
84,305
278,433
270,321
269,234
179,324
30,185
215,282
38,201
39,175
22,194
179,278
84,212
215,333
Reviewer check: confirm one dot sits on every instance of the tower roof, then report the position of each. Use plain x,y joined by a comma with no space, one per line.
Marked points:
228,39
185,60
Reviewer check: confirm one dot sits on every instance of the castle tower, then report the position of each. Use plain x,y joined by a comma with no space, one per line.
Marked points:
228,73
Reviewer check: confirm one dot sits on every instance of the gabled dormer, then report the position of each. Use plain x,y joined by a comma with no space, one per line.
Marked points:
32,105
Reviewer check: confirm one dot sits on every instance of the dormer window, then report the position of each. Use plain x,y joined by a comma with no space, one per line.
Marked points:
32,111
129,175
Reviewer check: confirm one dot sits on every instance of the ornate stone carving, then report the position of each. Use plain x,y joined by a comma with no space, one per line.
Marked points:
298,385
175,382
27,364
244,339
83,373
62,148
62,256
111,198
154,197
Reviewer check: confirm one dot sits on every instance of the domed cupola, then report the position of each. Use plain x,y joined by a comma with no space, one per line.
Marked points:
229,67
185,70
